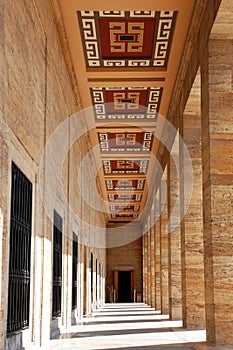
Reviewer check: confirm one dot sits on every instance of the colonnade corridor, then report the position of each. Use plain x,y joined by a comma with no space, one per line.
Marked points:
116,174
130,326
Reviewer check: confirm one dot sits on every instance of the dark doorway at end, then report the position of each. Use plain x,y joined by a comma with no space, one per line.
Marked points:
124,286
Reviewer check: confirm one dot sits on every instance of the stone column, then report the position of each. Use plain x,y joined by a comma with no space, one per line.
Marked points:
191,228
164,258
217,134
98,285
101,286
148,265
152,277
145,267
174,239
94,303
103,283
157,254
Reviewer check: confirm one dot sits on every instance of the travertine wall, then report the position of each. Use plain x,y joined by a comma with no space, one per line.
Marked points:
36,96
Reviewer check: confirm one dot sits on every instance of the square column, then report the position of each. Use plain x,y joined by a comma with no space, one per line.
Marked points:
164,258
174,241
191,211
145,283
152,237
148,266
157,254
217,135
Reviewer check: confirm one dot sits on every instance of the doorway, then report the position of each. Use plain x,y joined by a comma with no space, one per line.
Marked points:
124,286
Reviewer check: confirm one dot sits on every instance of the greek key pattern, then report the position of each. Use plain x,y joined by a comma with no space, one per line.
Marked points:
132,14
140,184
138,197
129,38
145,14
107,167
143,166
109,184
104,141
115,14
125,142
130,108
163,42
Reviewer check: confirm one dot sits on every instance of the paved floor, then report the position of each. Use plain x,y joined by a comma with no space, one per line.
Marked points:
130,327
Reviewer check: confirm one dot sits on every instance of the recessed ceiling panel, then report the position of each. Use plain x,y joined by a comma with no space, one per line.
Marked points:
125,142
125,184
128,208
128,167
127,38
126,103
125,197
128,216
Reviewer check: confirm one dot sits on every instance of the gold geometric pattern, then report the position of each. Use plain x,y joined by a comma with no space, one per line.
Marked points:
126,37
126,100
125,164
121,139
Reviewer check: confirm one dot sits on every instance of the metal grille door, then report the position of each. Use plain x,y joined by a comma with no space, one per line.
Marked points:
57,264
20,252
74,271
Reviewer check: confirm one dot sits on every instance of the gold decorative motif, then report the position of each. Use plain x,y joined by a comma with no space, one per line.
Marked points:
124,183
126,37
125,164
121,139
126,100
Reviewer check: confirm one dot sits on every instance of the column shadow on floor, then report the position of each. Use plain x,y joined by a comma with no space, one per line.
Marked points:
113,332
132,314
123,321
153,347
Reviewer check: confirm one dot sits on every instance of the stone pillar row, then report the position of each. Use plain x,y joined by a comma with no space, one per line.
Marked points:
188,251
217,163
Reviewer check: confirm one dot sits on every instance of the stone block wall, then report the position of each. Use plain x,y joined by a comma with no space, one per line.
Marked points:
36,96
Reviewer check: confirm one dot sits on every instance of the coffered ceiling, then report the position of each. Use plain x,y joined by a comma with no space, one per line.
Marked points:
125,56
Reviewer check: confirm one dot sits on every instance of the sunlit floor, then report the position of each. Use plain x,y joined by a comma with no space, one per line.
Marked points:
130,327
